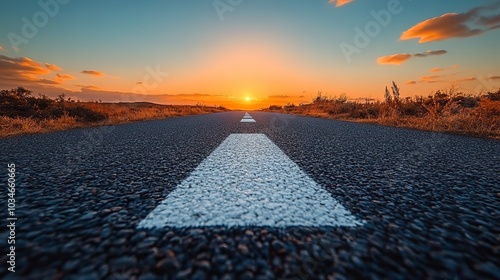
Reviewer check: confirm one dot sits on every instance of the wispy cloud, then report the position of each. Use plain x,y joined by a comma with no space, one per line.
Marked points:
48,82
469,79
439,69
21,69
63,77
395,59
430,53
2,48
278,96
492,21
431,79
52,67
88,87
93,73
89,92
28,72
455,25
339,3
400,58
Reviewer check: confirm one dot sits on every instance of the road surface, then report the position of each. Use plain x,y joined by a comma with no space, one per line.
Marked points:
221,196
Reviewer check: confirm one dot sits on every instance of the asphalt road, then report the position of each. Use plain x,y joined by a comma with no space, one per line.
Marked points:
428,204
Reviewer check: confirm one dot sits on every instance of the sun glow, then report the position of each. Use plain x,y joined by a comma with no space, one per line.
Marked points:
247,98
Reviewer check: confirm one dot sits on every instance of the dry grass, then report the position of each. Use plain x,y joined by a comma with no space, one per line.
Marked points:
126,112
114,114
16,126
450,113
20,113
467,122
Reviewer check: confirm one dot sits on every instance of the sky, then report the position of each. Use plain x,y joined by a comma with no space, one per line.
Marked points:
247,54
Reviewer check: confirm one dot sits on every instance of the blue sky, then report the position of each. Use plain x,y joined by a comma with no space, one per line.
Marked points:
260,49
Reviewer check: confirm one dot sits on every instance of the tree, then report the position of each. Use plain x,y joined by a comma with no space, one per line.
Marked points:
19,92
22,92
61,98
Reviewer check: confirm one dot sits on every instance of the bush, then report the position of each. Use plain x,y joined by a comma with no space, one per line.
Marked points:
19,103
275,108
83,114
448,110
494,96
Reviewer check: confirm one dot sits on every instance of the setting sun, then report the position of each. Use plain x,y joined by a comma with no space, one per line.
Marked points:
247,98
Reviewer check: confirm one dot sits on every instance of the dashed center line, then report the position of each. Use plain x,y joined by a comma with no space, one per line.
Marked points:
247,118
248,181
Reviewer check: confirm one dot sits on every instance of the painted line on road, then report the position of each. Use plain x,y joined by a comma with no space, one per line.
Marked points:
247,118
248,181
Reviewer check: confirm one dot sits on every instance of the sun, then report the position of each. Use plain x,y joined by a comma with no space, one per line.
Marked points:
247,98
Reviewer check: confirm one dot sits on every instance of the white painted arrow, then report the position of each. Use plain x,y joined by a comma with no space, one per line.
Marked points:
248,181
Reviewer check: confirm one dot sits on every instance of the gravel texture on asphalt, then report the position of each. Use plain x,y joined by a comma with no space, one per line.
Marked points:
430,202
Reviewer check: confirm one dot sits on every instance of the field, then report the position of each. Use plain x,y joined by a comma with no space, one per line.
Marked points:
445,111
23,113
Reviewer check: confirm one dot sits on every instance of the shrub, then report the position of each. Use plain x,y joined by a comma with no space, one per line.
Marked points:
448,110
83,114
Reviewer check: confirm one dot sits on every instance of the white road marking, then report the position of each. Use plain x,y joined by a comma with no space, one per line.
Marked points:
247,118
248,181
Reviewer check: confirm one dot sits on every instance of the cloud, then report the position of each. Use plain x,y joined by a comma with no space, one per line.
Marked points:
90,87
400,58
431,79
93,93
470,79
430,53
52,67
455,25
278,96
491,21
439,69
93,73
138,83
63,77
395,59
27,72
21,69
442,78
49,82
194,95
2,48
339,3
428,78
